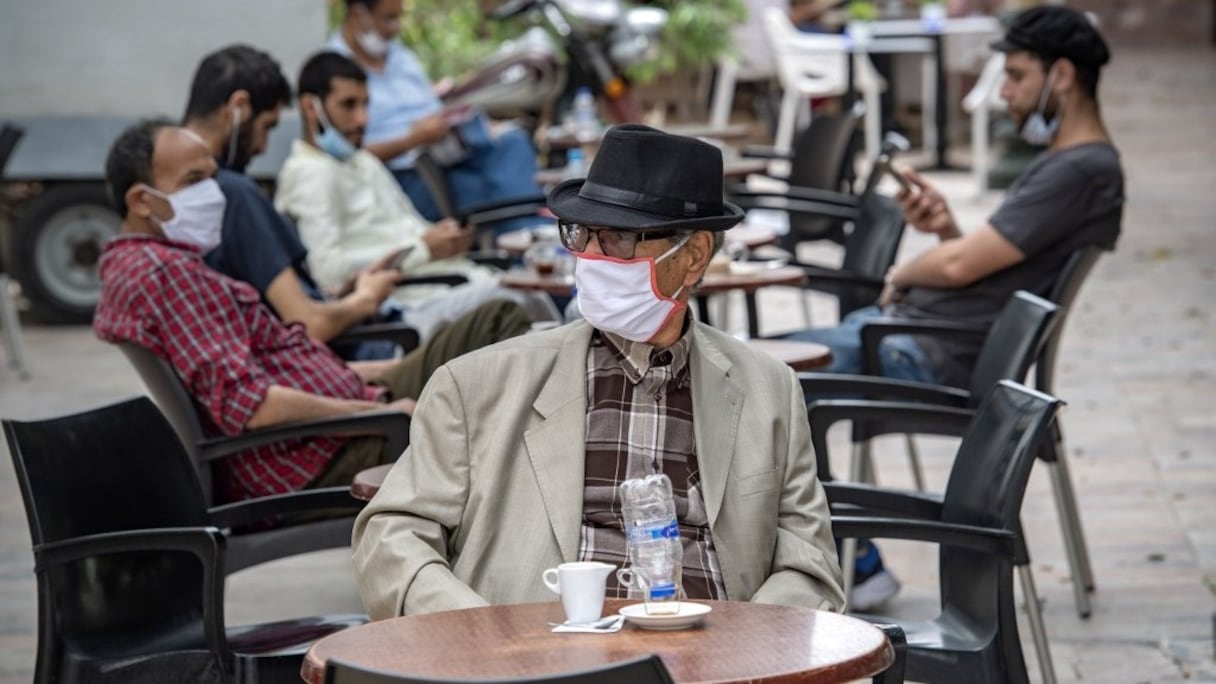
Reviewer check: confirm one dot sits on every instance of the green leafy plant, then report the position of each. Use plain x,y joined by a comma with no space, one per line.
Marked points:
452,36
697,33
862,10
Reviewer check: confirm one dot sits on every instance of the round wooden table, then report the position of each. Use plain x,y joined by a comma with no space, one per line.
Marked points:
367,482
737,642
801,356
733,168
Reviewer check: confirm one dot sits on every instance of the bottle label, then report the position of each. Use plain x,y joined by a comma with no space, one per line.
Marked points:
651,532
662,591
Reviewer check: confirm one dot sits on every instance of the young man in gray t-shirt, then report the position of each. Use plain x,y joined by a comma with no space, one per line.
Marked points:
1070,197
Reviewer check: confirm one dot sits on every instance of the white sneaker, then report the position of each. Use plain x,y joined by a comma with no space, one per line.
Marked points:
874,591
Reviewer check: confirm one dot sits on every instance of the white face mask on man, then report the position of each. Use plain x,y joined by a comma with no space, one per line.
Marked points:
370,40
621,296
198,214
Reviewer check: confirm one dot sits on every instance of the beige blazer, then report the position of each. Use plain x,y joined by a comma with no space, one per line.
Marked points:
490,492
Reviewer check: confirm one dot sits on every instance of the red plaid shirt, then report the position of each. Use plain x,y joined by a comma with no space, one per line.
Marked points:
227,348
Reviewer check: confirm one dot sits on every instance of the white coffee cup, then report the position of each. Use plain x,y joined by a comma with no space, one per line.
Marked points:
581,586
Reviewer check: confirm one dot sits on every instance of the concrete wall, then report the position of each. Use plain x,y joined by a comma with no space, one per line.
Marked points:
136,57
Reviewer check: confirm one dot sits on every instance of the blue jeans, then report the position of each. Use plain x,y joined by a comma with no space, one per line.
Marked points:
902,358
504,169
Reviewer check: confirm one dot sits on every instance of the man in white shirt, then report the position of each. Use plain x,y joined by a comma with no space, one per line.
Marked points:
351,213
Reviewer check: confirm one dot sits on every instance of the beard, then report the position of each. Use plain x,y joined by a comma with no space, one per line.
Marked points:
241,156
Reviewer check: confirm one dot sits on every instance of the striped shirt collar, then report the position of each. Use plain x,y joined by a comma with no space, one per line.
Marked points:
637,358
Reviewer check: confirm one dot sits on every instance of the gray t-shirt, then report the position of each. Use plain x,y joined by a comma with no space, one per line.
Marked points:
1063,201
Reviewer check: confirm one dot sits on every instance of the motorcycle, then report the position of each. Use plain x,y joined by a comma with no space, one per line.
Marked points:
528,76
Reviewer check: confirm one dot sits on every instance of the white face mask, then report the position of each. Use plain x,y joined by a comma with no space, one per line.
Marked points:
621,296
370,40
1038,130
198,214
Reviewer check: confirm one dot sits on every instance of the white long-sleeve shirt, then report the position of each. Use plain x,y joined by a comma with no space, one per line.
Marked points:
350,214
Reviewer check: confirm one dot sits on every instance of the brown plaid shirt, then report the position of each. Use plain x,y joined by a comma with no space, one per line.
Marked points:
639,421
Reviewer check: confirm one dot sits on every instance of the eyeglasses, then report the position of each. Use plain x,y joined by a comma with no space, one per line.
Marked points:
614,242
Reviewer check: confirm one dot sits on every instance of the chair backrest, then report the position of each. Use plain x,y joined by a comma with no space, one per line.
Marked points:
985,488
799,55
1013,342
647,670
112,469
176,403
872,245
1063,293
822,158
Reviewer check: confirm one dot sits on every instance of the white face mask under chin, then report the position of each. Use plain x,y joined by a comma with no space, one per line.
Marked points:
1038,130
198,214
621,296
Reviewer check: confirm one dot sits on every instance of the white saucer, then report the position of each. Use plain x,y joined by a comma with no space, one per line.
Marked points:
689,615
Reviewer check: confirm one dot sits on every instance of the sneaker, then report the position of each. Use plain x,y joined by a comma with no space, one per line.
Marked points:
872,584
873,591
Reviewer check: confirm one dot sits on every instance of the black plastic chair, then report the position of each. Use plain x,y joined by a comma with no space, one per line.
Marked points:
821,159
129,564
975,521
648,670
1063,293
248,547
1010,347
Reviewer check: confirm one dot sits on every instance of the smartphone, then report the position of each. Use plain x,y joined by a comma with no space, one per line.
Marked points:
399,259
898,176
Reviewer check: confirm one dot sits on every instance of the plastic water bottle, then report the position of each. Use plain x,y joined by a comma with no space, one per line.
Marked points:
576,164
655,552
584,117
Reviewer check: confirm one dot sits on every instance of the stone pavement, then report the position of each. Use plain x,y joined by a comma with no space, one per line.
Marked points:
1138,369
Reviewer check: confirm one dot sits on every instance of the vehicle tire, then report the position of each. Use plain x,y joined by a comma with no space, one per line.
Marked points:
55,246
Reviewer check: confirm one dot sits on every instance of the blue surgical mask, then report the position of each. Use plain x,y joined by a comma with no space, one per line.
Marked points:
1038,130
330,139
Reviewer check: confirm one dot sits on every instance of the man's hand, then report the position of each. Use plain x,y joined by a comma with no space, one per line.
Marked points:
375,286
391,261
926,210
447,239
405,406
429,129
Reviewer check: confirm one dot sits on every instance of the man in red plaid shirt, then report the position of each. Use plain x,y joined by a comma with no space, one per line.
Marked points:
242,365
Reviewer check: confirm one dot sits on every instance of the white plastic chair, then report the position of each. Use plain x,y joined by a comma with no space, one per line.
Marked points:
984,98
752,60
814,65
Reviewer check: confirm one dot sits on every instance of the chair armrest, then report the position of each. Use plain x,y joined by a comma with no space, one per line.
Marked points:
495,258
875,329
205,543
997,542
880,418
496,210
243,513
839,281
393,425
764,152
880,502
401,334
449,279
878,387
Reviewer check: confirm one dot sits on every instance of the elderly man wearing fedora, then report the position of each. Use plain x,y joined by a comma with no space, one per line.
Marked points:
517,449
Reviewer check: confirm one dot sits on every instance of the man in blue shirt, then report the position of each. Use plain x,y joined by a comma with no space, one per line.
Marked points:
405,115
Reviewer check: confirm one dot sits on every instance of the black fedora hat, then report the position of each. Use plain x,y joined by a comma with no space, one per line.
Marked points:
645,179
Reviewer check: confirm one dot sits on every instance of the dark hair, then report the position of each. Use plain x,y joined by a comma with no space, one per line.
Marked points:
129,161
237,67
370,4
318,73
1051,32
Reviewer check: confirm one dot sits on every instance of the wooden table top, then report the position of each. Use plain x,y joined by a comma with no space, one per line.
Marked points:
729,132
367,482
801,356
736,642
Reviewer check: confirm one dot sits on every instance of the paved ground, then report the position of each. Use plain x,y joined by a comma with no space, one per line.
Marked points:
1138,371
